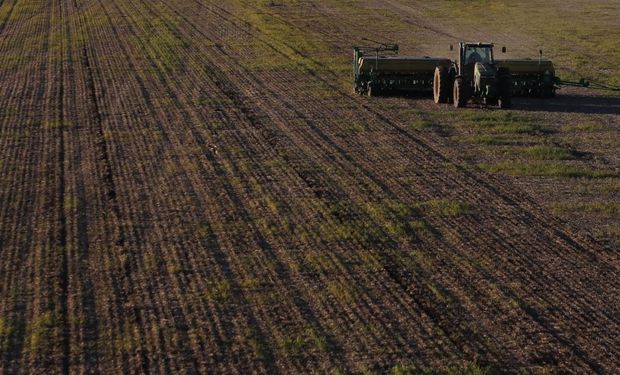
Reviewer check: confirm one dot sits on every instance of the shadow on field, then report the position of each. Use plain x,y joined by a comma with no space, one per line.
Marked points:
570,103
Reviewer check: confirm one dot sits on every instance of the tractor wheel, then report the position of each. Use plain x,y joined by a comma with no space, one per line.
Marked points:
458,93
441,85
505,92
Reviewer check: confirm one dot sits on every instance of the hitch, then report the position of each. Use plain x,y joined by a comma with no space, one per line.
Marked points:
585,83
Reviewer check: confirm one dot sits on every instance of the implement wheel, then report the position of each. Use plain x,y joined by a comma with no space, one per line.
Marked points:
372,90
459,94
441,85
505,92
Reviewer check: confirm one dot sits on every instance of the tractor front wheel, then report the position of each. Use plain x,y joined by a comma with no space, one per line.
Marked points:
441,85
458,93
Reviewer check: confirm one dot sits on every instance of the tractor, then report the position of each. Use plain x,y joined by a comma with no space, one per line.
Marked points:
474,76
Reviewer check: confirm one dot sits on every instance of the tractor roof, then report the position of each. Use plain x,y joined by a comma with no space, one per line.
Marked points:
478,44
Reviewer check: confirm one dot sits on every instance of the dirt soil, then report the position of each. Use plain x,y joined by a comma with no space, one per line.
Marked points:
193,187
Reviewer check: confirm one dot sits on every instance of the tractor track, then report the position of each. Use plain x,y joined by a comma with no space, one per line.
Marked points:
242,100
62,191
16,264
194,212
433,146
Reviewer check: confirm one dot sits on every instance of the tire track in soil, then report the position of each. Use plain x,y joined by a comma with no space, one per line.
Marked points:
222,256
563,235
133,263
583,237
510,197
62,240
237,101
15,242
110,190
8,16
236,199
346,160
48,276
87,335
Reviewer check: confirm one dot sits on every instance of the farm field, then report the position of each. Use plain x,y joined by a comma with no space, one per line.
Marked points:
191,186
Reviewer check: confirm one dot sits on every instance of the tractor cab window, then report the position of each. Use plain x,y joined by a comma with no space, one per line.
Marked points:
478,54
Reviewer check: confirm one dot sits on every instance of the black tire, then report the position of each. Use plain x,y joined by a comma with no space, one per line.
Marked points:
459,95
505,92
547,91
441,85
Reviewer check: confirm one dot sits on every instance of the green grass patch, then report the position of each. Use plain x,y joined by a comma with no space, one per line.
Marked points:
512,128
344,293
348,230
320,342
426,124
310,339
502,122
16,135
220,291
252,339
297,48
39,330
353,125
292,345
422,124
604,185
398,220
490,140
446,208
322,262
549,153
547,169
470,369
56,124
6,329
584,127
127,342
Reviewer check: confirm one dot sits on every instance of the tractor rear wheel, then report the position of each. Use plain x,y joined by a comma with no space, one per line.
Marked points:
458,93
441,85
505,92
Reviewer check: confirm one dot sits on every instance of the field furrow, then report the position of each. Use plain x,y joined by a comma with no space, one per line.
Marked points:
192,187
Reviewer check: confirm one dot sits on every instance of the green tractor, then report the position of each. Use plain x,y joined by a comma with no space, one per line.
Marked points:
474,76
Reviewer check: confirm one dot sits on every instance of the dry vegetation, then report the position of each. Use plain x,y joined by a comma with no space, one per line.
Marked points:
191,187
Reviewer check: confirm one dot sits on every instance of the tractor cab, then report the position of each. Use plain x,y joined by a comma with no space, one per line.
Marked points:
472,53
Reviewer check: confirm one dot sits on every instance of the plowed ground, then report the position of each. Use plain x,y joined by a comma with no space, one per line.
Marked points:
191,186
